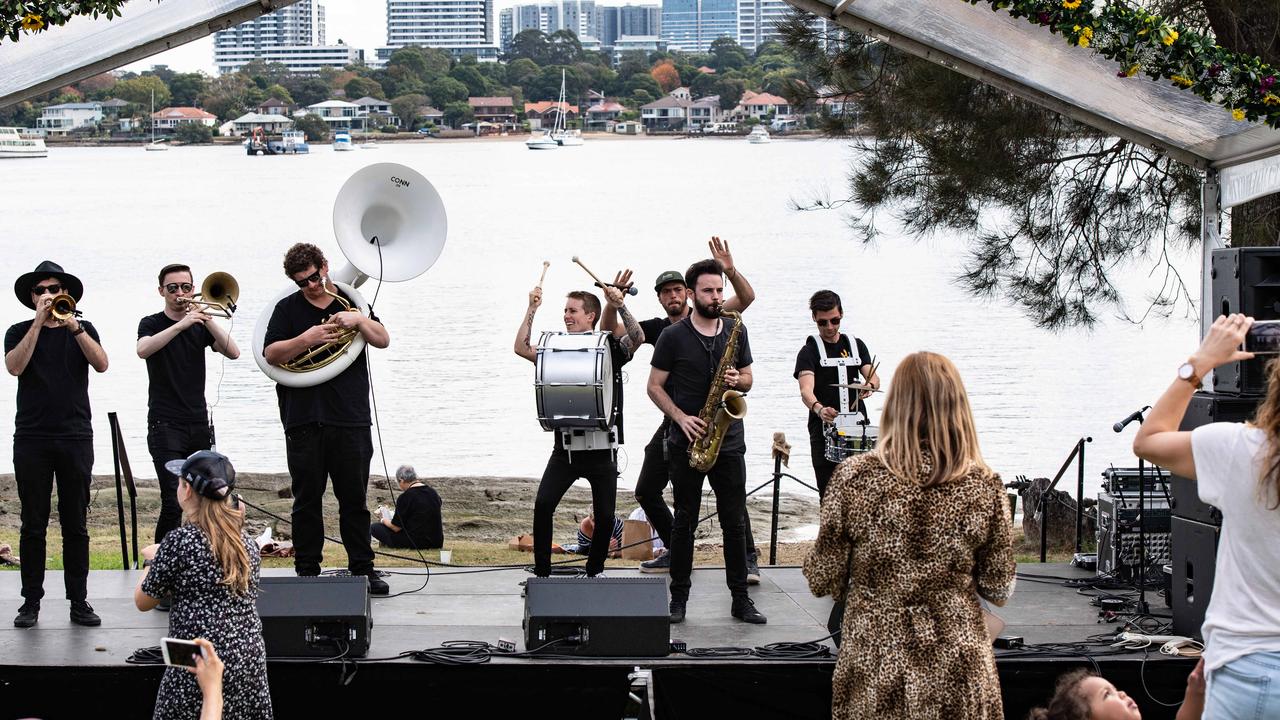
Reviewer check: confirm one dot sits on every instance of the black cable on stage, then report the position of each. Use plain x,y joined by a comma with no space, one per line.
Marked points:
146,656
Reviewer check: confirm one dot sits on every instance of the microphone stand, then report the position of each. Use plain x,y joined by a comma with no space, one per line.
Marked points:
1143,608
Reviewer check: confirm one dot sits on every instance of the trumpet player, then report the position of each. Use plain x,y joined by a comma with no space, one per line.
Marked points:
53,435
326,426
173,342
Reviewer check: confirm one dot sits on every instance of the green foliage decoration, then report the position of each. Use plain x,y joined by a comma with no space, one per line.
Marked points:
34,16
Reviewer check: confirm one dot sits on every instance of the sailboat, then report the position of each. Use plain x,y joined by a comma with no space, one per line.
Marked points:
155,144
562,134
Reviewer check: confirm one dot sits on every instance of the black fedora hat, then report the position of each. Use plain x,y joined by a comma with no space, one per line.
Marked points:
70,283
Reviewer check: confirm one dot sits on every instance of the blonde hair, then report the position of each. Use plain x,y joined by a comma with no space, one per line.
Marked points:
222,525
1268,419
927,411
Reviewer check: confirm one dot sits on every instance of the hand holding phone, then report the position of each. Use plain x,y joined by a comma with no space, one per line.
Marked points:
1263,338
180,653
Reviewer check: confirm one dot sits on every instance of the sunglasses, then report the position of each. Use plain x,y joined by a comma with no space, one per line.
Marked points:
312,278
833,322
42,289
172,288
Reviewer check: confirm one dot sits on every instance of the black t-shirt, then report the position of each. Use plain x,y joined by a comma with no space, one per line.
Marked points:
824,378
618,356
343,400
175,372
653,328
692,359
418,513
53,390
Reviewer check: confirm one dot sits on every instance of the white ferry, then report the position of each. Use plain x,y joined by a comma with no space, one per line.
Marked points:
14,145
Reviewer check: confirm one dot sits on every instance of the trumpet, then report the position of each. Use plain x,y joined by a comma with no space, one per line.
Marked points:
217,296
63,307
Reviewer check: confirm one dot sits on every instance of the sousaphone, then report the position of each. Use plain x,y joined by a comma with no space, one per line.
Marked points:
390,225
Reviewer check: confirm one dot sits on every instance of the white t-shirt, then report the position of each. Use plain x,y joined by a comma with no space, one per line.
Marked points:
638,514
1244,612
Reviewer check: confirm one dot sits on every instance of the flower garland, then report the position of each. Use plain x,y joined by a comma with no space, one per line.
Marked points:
33,16
1142,42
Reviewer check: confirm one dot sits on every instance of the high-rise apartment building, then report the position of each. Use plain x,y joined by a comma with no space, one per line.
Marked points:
293,36
692,25
640,20
757,22
460,27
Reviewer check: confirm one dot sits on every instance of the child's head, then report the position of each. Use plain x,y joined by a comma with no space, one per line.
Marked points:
1081,695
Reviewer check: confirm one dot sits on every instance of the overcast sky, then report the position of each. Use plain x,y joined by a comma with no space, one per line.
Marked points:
360,23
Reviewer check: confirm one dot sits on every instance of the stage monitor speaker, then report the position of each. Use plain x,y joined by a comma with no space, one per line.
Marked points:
1206,408
315,616
614,617
1195,552
1245,280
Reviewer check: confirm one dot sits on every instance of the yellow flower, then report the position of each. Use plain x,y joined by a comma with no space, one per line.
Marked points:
1086,34
32,22
1132,70
1082,41
1270,99
1168,35
1237,114
1071,4
1181,81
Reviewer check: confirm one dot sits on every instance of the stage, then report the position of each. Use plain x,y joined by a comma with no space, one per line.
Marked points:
58,669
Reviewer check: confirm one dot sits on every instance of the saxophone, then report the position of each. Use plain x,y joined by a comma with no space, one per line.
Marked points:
722,406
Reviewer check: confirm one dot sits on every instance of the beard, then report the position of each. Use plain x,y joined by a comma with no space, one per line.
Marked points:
710,312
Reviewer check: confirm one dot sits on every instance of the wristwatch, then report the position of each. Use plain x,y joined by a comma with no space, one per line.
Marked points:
1187,372
78,330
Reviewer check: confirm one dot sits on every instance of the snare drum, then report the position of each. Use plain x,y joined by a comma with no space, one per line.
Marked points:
573,380
845,442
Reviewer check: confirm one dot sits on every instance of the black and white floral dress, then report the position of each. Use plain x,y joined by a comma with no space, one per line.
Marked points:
186,568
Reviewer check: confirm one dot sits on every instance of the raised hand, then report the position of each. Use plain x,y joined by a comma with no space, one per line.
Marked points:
1222,344
623,279
720,251
535,297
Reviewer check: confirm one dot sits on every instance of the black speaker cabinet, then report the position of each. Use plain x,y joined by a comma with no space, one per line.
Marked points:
1195,552
617,617
1245,280
315,616
1206,408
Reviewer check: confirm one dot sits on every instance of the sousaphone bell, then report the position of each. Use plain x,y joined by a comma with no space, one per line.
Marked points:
390,224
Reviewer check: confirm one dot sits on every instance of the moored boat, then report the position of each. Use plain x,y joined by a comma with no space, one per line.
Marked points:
14,145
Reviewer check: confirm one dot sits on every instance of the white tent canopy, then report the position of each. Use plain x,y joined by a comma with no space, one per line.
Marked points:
86,46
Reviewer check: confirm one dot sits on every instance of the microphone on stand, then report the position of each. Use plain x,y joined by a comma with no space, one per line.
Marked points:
1137,415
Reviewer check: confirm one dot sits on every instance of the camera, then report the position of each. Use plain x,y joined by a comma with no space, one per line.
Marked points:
1263,338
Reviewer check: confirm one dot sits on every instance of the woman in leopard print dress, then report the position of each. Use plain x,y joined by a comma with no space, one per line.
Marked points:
912,533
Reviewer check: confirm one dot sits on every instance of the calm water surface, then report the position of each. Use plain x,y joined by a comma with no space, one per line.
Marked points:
452,398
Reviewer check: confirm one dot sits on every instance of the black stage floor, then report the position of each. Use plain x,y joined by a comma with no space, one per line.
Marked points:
50,670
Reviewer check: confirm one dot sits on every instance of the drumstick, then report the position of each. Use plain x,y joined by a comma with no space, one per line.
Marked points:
584,267
629,290
545,265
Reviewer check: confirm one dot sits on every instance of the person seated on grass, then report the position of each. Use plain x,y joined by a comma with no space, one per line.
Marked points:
1082,695
587,528
417,521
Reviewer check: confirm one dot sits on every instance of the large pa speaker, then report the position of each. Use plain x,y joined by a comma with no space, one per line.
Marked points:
1206,408
616,617
315,616
1195,554
1245,280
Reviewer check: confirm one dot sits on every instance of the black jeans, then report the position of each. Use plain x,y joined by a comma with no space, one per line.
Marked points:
36,463
173,440
600,469
317,453
396,539
822,467
655,473
728,478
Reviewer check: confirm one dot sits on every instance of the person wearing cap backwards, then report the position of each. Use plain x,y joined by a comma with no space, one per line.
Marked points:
416,523
674,298
53,434
209,566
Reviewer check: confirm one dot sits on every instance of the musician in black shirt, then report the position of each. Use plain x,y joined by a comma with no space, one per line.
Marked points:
326,426
599,467
53,434
173,342
685,362
819,375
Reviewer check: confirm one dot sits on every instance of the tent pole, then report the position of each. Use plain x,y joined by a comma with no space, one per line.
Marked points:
1211,239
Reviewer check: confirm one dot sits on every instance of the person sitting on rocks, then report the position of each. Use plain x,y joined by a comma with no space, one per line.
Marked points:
417,522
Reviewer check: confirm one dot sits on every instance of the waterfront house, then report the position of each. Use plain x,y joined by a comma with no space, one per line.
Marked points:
431,115
704,111
169,119
64,118
113,107
275,106
498,110
604,114
668,113
377,113
628,127
761,105
245,124
338,114
543,114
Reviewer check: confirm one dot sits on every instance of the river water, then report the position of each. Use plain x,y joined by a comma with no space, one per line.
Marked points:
453,399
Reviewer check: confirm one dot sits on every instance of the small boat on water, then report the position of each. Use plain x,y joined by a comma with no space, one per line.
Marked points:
545,141
342,141
13,144
568,138
155,145
369,144
758,135
291,142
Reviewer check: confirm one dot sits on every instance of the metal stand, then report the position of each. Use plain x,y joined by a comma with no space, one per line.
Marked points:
115,455
125,473
1043,519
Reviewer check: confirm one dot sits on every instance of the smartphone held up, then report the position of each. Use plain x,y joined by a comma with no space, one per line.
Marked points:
180,653
1263,338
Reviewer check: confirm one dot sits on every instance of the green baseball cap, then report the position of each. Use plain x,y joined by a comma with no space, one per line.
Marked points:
669,276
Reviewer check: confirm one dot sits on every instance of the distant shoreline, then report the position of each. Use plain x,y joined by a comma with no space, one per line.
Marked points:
409,138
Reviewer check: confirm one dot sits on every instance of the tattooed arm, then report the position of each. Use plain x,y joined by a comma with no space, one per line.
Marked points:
524,346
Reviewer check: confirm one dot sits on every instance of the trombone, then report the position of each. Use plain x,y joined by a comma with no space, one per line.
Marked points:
217,296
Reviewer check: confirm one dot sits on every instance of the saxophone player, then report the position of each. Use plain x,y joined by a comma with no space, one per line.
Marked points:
685,372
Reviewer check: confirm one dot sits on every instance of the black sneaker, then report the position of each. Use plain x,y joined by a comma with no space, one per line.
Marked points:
378,586
746,611
677,609
660,564
28,614
82,614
